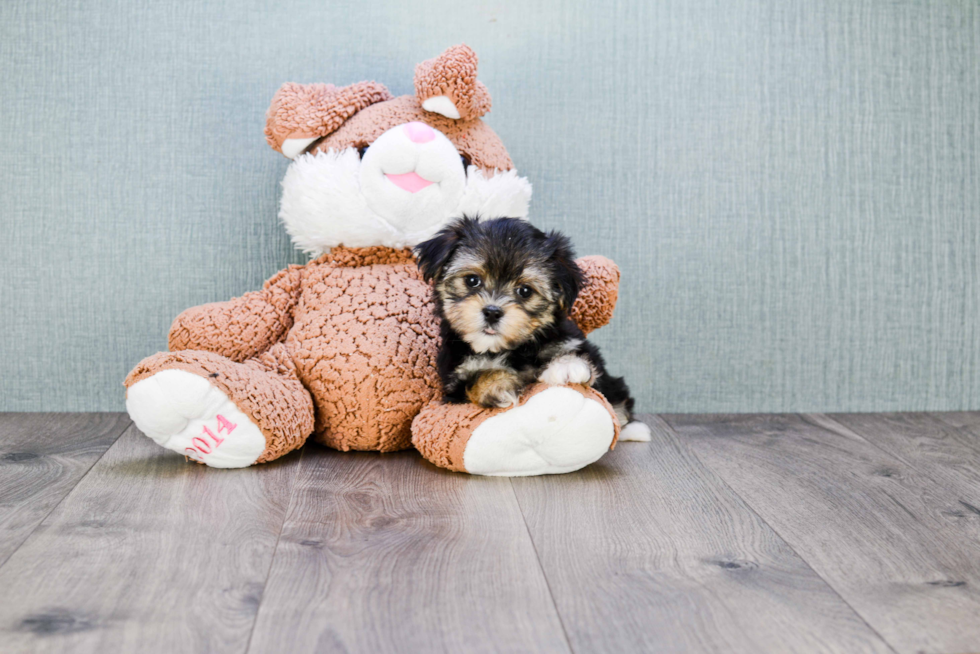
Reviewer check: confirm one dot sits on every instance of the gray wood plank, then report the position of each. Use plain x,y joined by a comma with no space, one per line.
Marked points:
647,550
967,425
148,553
385,553
880,532
42,457
944,453
968,421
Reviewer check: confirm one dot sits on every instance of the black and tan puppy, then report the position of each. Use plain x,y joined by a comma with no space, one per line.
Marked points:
503,289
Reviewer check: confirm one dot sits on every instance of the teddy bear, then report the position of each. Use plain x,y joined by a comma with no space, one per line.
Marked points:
343,348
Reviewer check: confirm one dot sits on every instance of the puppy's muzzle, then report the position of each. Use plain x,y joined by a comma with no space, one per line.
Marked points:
492,314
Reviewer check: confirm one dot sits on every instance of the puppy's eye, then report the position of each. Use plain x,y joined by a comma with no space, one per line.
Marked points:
525,291
473,281
466,161
361,150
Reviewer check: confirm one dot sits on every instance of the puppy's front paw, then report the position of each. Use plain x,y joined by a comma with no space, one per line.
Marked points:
497,388
568,369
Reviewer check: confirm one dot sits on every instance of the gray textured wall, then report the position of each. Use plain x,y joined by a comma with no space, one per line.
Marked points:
792,187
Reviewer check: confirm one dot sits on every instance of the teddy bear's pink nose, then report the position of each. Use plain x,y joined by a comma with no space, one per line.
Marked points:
419,132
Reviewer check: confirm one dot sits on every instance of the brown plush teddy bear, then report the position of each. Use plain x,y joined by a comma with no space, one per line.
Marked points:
343,348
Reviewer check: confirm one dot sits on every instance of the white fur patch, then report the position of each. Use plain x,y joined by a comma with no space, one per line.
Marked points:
482,343
474,364
568,369
322,205
507,399
556,431
503,195
436,160
442,105
185,413
635,431
292,147
325,199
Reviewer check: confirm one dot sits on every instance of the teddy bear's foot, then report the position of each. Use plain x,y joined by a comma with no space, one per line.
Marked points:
220,412
184,413
554,430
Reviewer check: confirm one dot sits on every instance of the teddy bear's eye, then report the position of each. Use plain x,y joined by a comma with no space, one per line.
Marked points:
466,161
525,291
473,281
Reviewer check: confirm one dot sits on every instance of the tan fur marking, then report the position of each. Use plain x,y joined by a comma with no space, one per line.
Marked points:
464,264
466,316
495,386
538,280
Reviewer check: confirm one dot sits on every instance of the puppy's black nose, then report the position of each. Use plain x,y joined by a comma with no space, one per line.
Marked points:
492,313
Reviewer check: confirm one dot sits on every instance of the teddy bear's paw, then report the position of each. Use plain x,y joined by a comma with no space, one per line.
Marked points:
183,412
557,430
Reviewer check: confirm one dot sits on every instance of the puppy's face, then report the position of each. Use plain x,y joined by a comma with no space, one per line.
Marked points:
496,304
501,281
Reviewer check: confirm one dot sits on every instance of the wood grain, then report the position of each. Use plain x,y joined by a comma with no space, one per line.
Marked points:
939,449
968,421
647,550
385,553
891,541
967,425
42,457
844,533
149,553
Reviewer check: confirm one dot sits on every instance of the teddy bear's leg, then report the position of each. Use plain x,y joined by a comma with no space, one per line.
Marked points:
554,429
218,412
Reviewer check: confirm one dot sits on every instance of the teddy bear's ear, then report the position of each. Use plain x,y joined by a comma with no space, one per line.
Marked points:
301,114
447,85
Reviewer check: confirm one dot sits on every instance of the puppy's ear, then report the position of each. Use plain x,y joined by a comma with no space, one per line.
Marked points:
433,255
568,276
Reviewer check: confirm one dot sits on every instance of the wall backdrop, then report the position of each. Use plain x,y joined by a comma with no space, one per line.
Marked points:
791,187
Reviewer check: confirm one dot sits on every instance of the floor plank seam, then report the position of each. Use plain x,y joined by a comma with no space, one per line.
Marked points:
941,483
748,505
544,575
853,432
897,455
275,549
66,495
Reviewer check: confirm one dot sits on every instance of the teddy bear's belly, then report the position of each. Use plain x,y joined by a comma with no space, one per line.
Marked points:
364,342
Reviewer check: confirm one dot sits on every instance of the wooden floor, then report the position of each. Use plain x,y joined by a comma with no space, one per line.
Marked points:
748,533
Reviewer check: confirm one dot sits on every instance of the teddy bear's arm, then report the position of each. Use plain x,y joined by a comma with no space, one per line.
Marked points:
597,298
243,327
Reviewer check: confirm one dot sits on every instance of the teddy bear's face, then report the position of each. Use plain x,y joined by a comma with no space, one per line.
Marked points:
397,192
411,177
370,169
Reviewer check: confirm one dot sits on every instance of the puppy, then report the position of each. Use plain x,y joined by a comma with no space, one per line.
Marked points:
503,289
